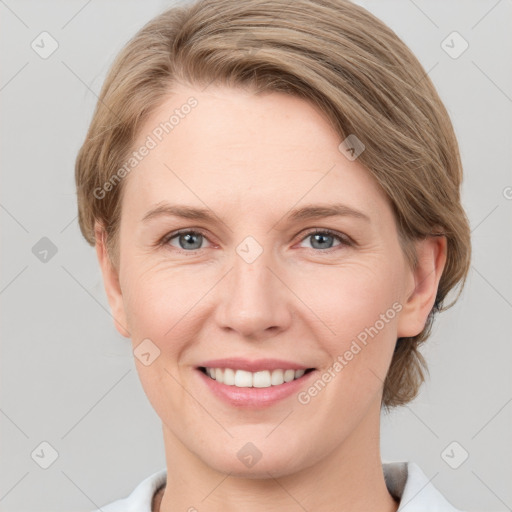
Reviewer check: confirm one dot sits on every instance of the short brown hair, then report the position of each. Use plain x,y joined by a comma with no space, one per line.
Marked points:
337,56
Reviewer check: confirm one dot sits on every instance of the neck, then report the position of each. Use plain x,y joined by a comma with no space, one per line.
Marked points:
348,478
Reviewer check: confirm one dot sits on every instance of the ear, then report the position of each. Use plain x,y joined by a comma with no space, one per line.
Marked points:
111,281
431,253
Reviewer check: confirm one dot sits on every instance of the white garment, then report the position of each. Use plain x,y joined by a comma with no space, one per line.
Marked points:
404,480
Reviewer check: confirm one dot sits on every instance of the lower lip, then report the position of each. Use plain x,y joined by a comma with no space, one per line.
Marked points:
255,397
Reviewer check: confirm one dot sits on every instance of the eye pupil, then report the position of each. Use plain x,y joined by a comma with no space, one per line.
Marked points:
321,238
189,237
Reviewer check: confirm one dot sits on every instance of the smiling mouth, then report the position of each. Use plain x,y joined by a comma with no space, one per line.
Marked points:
246,379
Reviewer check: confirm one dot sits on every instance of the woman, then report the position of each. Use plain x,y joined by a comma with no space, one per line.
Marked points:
273,191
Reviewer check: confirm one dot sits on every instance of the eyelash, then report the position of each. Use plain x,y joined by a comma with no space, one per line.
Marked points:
343,239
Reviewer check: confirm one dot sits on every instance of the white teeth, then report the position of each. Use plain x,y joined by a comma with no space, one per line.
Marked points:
245,379
289,375
299,373
261,379
277,377
229,377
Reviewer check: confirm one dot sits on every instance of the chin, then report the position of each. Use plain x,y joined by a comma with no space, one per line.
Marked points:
263,469
256,460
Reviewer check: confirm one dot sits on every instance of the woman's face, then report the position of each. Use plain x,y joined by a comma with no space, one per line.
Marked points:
249,287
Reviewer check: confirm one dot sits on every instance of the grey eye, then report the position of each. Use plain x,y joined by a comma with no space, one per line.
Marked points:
323,240
188,240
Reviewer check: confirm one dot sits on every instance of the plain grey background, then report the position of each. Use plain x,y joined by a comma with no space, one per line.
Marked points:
68,378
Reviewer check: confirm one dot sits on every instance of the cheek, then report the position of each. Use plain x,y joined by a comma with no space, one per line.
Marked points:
361,307
160,306
353,296
157,300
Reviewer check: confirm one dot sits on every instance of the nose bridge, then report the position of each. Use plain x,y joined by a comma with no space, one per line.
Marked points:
254,300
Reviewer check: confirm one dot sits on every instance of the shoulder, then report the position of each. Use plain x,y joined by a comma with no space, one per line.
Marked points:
140,498
413,489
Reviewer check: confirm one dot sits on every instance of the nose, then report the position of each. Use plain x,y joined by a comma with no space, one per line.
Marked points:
254,302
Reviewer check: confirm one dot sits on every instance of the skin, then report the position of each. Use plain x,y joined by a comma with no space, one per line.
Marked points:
251,159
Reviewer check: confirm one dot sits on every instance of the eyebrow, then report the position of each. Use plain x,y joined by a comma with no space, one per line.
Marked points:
312,211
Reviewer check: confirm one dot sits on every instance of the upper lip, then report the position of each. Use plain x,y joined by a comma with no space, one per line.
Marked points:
255,365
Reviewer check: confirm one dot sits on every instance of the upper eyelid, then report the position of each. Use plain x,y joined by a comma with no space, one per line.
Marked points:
174,234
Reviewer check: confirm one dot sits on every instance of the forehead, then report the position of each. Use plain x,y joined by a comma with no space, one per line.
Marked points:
234,148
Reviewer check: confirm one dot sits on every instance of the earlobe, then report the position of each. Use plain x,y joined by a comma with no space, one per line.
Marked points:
419,301
111,282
